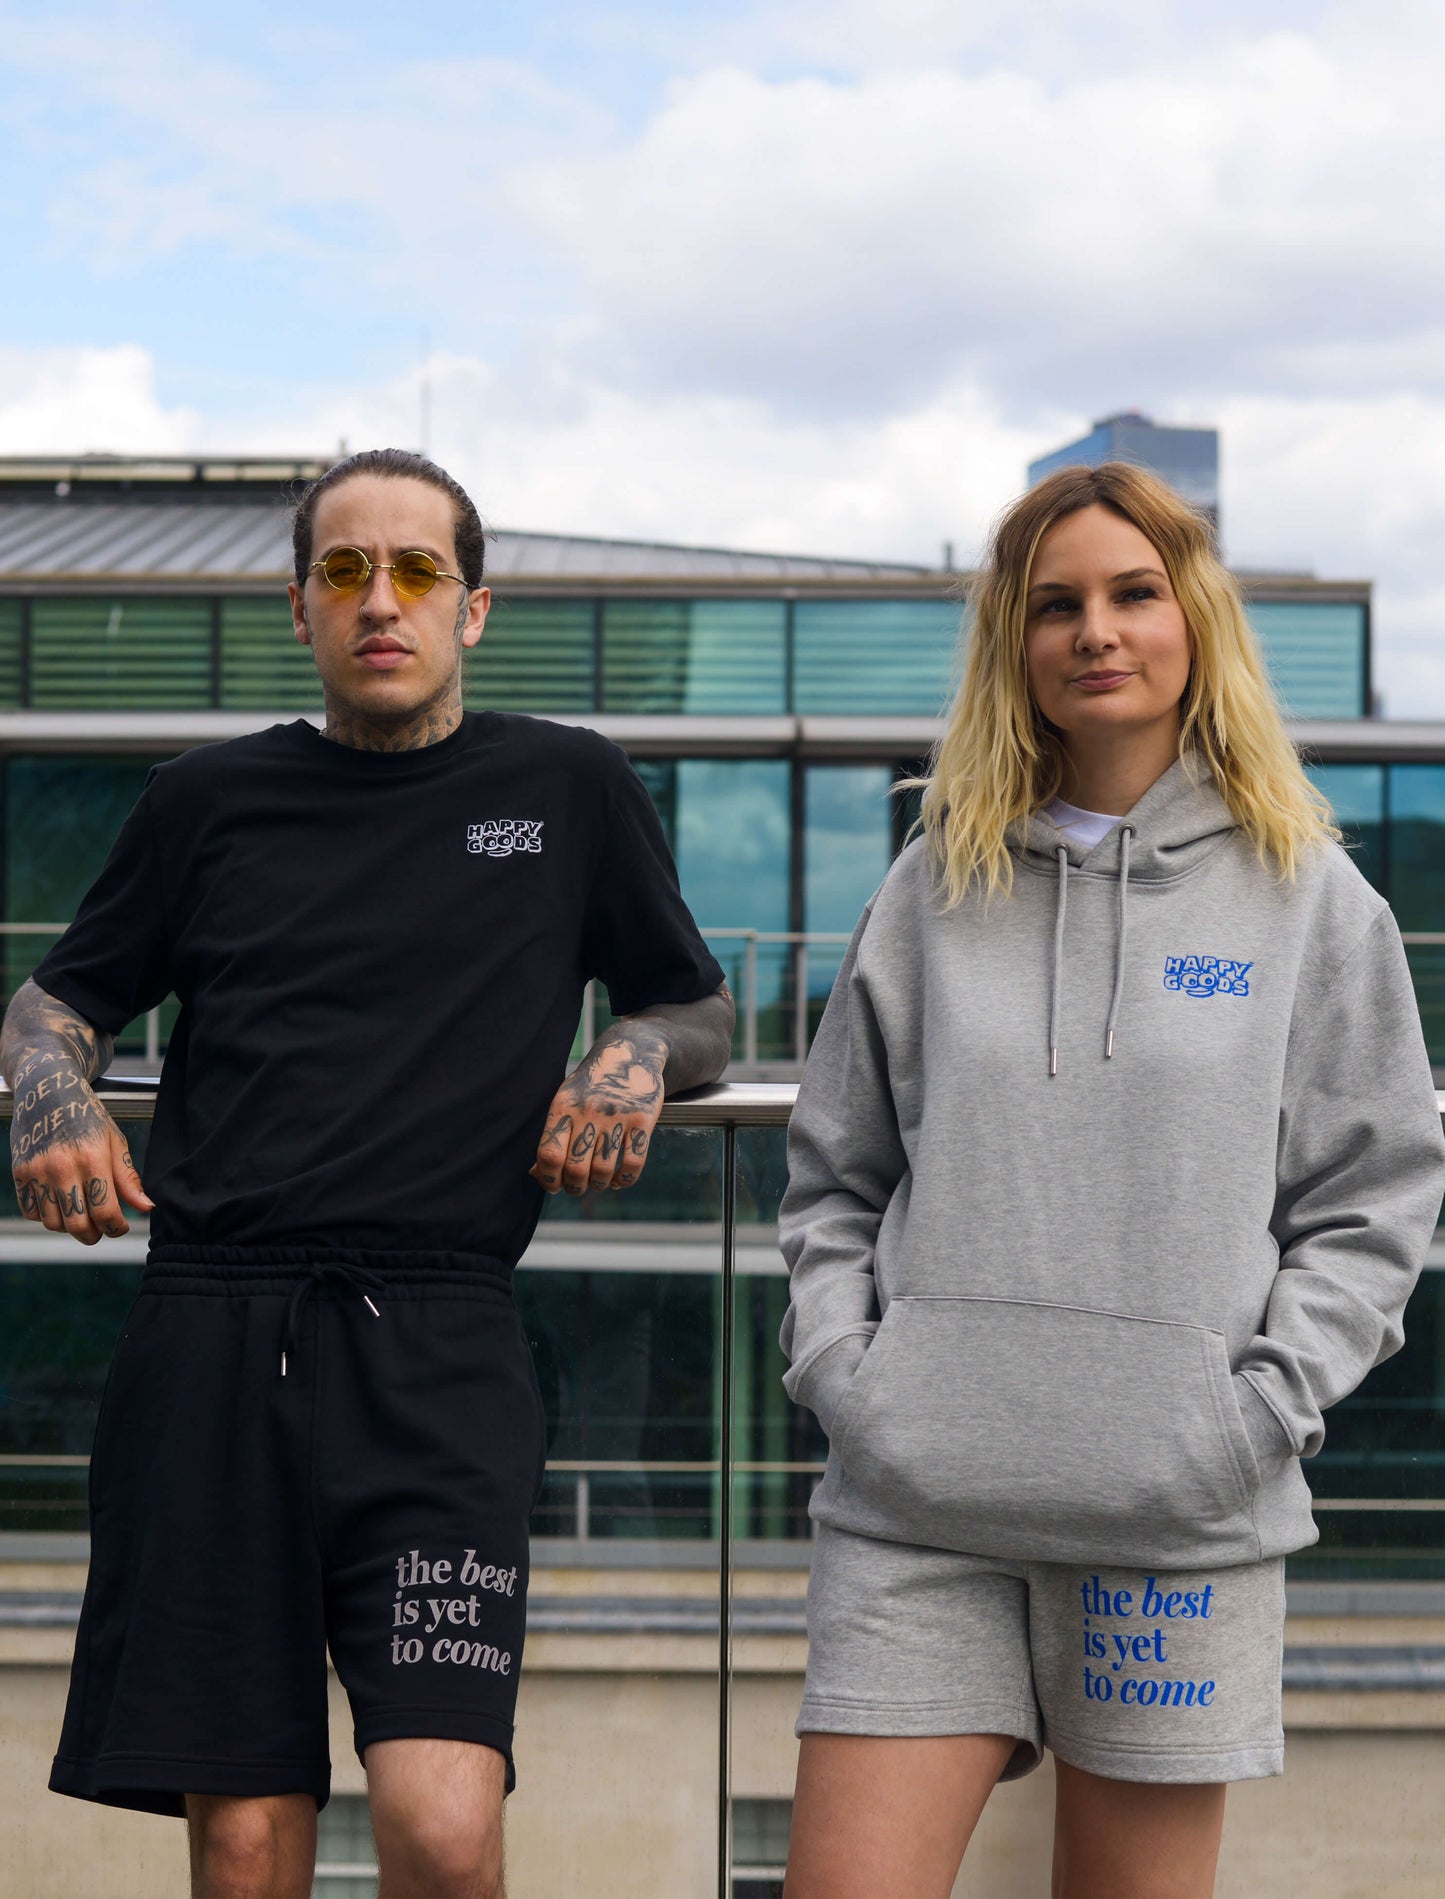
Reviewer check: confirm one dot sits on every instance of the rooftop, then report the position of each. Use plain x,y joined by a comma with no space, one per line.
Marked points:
176,523
101,518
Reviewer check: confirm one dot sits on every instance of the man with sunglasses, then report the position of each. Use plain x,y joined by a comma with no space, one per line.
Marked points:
322,1427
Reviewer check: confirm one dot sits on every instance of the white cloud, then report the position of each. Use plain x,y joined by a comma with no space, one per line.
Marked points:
1354,487
846,245
87,401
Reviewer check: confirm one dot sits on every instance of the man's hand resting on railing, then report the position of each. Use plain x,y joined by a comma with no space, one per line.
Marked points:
72,1167
598,1130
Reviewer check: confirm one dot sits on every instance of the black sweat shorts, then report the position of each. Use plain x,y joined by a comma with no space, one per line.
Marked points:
374,1499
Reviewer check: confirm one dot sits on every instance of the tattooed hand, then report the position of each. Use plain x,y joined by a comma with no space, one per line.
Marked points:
71,1165
599,1126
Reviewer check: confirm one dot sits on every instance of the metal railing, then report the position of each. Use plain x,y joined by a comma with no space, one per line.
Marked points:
796,994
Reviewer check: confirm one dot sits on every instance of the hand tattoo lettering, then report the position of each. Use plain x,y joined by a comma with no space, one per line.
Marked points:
556,1135
611,1142
637,1143
52,1055
584,1143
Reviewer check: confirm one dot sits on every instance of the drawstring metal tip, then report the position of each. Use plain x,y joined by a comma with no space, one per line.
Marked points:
374,1312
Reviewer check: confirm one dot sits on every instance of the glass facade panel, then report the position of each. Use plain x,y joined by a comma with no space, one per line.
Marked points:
1417,885
847,848
693,656
1315,651
264,666
1417,846
732,837
874,656
848,811
533,656
1357,798
12,636
61,818
114,655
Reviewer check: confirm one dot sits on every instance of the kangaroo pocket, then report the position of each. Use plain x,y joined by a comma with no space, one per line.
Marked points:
1047,1432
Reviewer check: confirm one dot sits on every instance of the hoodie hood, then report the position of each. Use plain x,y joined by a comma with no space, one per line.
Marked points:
1177,825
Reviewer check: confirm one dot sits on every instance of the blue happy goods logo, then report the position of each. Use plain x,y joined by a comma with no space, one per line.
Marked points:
1206,975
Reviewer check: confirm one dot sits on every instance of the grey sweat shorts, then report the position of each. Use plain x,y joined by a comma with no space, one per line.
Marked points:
1129,1673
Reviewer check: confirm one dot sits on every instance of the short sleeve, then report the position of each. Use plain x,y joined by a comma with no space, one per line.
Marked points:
639,936
113,963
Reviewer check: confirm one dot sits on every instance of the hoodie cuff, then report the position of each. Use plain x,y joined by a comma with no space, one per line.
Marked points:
1265,1432
830,1374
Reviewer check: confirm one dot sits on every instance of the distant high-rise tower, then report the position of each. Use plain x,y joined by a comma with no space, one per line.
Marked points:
1187,458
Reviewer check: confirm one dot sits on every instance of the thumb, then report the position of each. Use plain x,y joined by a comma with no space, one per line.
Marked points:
127,1181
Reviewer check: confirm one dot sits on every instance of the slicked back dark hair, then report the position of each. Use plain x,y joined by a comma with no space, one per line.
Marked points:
395,464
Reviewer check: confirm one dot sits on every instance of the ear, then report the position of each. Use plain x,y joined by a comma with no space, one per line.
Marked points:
478,604
298,613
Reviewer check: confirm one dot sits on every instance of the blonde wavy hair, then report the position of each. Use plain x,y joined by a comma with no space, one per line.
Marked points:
999,759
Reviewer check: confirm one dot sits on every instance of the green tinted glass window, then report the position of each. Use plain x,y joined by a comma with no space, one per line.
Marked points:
1417,846
1315,651
694,656
61,818
12,626
534,656
110,655
1417,886
264,667
871,656
1357,798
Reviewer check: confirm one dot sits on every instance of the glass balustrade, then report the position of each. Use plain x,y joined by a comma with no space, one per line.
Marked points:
667,1635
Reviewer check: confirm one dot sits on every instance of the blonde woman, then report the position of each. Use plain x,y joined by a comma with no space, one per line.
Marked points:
1114,1163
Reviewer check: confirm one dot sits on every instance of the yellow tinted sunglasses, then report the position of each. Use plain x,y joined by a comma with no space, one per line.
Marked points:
347,570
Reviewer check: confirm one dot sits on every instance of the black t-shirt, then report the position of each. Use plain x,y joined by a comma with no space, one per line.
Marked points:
380,960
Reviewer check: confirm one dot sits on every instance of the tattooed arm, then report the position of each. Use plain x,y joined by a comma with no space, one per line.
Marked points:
599,1126
70,1161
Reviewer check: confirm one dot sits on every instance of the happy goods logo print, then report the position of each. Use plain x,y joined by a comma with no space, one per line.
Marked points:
499,837
1206,975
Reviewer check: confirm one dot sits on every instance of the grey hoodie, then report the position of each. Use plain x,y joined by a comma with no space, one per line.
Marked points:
1097,1314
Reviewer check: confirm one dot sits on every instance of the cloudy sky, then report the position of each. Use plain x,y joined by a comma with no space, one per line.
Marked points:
817,275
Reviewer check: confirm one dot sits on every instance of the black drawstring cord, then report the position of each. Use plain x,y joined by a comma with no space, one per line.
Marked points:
356,1277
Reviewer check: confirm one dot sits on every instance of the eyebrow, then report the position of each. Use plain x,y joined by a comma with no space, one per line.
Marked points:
1132,573
412,547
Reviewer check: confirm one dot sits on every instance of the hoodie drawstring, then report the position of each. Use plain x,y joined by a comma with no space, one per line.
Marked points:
356,1277
1063,857
1124,837
1121,945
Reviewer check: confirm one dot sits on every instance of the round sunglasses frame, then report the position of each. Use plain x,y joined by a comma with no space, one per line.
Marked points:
369,567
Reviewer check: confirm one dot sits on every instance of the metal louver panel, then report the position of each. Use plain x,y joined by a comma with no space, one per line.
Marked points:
694,656
116,655
263,665
12,624
874,656
534,656
1315,652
